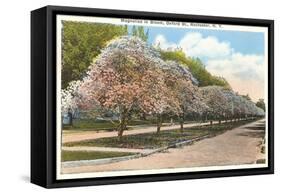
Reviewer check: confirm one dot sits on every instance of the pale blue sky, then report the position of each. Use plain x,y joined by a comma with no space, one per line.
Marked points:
244,42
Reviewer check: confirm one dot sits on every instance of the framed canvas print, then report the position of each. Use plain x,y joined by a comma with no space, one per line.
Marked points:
126,96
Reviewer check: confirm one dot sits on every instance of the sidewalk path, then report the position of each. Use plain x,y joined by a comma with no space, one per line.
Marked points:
238,146
86,135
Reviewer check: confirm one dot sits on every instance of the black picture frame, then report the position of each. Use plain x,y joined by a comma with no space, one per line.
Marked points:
43,96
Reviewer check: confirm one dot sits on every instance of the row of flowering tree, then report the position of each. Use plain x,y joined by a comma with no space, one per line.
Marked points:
130,76
224,104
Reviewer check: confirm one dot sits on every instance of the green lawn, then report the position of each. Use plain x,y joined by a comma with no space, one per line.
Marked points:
104,125
89,125
90,155
154,140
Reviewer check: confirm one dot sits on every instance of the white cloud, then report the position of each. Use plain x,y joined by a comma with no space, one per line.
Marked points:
244,72
244,66
194,44
161,41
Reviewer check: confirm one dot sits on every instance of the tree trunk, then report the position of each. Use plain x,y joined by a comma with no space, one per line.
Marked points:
159,123
122,126
143,116
219,121
211,122
70,116
181,122
120,131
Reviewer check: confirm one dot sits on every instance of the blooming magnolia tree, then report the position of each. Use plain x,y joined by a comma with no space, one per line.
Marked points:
70,98
225,103
241,107
185,93
215,100
126,75
249,108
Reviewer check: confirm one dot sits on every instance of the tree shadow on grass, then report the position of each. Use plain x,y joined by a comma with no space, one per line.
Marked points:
257,127
256,134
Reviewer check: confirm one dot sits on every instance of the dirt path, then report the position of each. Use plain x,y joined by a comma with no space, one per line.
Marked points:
237,146
86,135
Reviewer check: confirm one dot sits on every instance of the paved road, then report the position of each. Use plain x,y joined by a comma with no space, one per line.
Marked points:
238,146
86,135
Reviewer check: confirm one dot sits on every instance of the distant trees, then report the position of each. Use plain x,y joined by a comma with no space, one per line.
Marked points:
225,104
261,104
139,31
81,42
247,97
